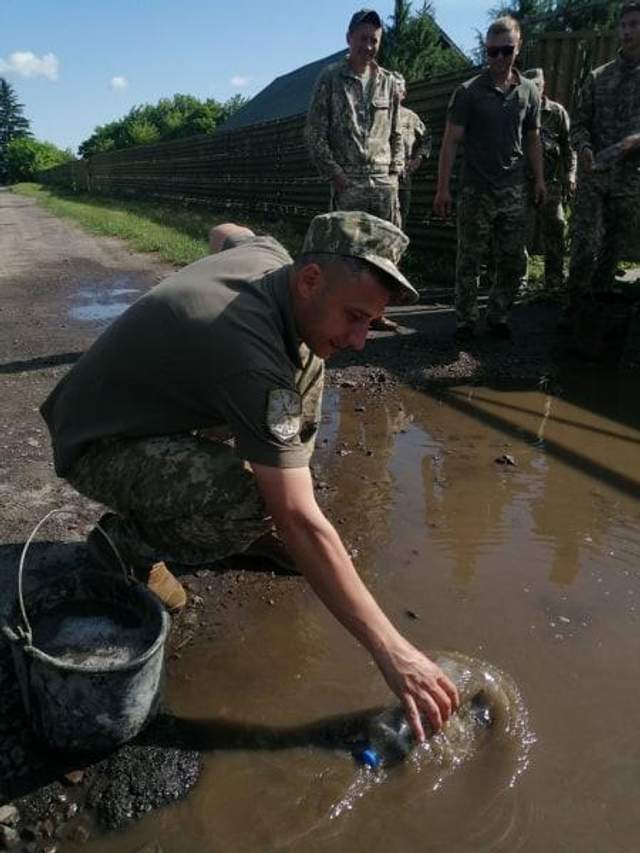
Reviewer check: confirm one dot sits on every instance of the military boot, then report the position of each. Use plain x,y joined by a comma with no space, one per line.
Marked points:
156,576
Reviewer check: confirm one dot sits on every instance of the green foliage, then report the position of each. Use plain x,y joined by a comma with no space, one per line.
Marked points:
414,45
176,232
13,124
538,16
171,118
26,157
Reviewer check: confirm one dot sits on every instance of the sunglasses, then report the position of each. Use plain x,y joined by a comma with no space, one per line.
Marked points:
507,50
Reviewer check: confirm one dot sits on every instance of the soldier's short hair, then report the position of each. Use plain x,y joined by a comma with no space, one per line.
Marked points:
629,7
504,24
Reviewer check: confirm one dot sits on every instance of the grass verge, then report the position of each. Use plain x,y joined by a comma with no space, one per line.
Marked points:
177,233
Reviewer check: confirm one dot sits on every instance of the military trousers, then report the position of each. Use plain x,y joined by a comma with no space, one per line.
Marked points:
182,498
546,236
490,219
605,228
374,194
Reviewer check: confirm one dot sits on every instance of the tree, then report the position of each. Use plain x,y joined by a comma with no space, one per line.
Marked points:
26,157
415,46
171,118
13,124
538,16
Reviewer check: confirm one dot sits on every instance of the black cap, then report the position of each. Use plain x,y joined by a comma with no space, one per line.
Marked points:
364,16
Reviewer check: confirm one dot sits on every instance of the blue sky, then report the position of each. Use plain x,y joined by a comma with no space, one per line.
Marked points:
79,63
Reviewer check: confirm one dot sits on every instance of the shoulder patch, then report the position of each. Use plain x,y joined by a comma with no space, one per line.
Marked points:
284,413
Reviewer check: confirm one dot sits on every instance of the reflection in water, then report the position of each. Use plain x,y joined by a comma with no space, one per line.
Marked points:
532,566
100,303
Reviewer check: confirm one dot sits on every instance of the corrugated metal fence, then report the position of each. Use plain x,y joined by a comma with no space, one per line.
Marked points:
264,169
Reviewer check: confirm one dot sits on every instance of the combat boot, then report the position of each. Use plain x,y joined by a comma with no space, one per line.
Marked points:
156,576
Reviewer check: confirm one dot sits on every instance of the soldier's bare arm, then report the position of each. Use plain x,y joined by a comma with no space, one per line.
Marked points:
453,136
534,153
568,154
581,127
318,552
219,234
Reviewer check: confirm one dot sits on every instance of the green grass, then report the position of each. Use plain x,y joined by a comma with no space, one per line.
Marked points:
177,233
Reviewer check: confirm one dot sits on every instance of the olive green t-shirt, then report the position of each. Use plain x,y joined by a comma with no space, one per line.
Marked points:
212,346
495,124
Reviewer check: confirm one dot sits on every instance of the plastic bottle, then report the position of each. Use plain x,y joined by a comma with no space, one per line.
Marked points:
390,738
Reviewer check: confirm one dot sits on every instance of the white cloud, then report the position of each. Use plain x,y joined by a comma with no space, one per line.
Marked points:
119,83
27,64
239,81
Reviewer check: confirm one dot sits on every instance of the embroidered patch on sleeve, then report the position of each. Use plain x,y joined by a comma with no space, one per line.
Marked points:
284,413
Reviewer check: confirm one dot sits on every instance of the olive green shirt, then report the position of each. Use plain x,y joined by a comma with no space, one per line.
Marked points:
495,125
212,346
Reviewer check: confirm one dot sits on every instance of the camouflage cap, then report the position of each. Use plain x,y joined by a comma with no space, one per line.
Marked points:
364,16
355,234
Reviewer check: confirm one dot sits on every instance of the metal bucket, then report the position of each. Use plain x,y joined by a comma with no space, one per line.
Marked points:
89,657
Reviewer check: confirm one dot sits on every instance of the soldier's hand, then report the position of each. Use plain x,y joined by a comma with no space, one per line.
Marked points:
340,182
539,193
443,203
420,684
587,160
570,188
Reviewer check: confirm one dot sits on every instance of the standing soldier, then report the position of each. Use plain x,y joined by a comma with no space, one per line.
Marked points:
353,125
560,163
497,115
606,135
416,139
353,129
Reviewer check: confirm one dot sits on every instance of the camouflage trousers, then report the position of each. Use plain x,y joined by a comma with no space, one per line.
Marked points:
490,219
183,498
374,194
546,236
605,229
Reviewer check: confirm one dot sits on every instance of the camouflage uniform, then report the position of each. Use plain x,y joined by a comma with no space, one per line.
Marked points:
164,415
606,220
492,203
353,130
416,138
482,215
548,222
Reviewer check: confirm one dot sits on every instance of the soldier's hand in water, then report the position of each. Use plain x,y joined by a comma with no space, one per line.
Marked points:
420,684
587,160
443,203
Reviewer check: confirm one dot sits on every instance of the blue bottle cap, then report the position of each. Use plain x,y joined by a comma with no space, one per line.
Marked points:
371,758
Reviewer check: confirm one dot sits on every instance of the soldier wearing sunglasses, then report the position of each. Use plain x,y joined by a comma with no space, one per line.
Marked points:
497,116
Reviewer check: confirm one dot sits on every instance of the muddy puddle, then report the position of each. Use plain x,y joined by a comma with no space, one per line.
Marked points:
531,566
99,304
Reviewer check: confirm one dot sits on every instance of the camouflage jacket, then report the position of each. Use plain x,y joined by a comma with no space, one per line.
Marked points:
416,139
560,159
608,107
350,130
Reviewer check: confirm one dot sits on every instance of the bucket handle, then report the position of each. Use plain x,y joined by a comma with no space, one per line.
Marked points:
28,634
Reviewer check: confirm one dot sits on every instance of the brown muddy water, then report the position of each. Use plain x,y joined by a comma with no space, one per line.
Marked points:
533,567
